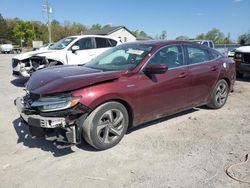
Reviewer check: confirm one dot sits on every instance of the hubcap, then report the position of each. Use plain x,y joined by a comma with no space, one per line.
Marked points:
110,126
221,94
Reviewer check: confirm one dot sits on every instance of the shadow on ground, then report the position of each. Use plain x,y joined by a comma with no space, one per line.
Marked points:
144,125
24,137
19,82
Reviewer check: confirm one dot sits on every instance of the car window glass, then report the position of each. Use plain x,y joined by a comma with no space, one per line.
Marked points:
112,42
197,55
85,43
211,44
205,43
123,57
102,43
172,56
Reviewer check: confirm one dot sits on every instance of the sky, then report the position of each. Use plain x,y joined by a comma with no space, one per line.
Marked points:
176,17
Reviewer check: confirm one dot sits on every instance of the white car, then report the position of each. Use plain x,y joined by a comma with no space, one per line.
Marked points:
44,47
70,50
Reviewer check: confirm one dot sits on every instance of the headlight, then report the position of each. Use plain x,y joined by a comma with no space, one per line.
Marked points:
55,103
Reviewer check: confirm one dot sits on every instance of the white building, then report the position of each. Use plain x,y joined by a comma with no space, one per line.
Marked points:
119,32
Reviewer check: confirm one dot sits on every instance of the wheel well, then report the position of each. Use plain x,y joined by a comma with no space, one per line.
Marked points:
227,80
129,109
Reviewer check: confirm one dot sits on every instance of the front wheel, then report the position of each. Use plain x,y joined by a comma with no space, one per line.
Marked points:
219,95
106,125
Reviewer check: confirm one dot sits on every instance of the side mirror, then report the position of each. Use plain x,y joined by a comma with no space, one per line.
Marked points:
155,69
75,48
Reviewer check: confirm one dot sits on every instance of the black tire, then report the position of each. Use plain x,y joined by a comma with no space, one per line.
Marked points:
106,125
239,75
219,95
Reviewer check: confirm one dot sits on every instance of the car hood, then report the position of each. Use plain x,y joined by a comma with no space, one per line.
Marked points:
67,78
243,49
33,53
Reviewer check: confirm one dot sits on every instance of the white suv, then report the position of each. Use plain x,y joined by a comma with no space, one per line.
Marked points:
70,50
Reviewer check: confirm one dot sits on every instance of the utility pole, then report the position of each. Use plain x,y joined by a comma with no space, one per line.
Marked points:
48,9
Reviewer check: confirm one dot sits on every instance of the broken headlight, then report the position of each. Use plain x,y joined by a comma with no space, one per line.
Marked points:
48,104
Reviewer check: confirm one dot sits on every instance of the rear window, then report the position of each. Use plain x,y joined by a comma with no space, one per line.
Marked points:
112,42
197,55
102,43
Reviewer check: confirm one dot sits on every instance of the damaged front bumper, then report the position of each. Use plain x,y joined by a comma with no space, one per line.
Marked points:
25,68
64,131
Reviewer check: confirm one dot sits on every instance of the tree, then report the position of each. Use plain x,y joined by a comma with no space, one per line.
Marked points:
216,36
3,27
201,36
96,26
243,39
182,37
163,35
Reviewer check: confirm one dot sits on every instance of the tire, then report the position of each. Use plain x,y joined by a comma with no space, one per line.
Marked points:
219,95
239,75
106,125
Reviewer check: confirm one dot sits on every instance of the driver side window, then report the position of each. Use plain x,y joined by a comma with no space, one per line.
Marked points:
172,56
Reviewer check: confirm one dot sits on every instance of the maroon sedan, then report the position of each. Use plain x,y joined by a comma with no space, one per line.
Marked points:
123,87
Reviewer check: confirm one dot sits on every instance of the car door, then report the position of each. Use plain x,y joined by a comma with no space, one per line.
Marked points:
162,94
203,72
85,53
102,44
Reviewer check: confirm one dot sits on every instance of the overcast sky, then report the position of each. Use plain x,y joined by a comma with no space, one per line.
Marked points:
177,17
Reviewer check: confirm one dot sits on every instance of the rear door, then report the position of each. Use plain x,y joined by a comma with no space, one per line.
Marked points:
103,44
203,71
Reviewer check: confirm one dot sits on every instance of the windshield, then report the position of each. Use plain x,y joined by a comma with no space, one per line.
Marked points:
122,57
61,44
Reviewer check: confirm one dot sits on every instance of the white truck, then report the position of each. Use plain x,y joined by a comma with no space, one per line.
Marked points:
9,48
70,50
242,59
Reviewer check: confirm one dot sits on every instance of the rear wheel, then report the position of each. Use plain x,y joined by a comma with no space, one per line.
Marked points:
106,125
219,95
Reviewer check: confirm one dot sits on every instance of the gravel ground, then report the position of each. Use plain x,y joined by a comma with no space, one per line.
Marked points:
190,149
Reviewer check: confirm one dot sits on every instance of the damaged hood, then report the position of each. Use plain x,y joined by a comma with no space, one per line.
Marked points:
67,78
33,53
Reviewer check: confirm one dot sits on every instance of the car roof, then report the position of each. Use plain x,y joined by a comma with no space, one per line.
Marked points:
163,42
84,36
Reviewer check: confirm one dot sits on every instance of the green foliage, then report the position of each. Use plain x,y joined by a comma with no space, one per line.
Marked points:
138,33
182,37
216,36
96,26
244,39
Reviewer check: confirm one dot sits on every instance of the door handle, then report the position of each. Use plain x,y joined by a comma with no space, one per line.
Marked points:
182,75
213,68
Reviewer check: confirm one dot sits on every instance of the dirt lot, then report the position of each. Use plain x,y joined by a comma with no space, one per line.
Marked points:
190,149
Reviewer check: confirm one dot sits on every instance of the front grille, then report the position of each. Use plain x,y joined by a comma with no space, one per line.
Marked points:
14,62
246,58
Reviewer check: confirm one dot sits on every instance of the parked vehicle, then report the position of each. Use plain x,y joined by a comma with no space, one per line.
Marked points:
9,48
208,43
70,50
242,59
123,87
44,47
231,53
